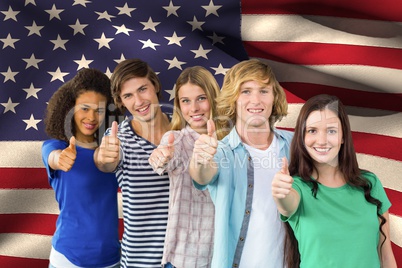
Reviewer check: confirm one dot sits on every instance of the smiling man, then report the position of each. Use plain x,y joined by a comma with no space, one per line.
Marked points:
238,171
125,150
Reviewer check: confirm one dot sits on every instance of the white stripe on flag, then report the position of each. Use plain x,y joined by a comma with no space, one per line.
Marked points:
21,154
387,170
396,229
28,201
14,201
357,77
321,29
25,245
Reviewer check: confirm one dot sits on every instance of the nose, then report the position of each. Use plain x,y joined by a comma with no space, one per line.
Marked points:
92,114
194,106
322,137
255,97
138,100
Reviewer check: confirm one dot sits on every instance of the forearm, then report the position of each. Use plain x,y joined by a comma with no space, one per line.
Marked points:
386,254
203,173
288,205
105,167
53,159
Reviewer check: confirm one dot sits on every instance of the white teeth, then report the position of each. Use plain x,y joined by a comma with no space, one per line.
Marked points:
196,116
142,109
255,111
322,150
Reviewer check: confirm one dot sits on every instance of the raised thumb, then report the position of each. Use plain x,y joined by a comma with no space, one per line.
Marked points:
171,139
285,166
72,144
211,128
113,132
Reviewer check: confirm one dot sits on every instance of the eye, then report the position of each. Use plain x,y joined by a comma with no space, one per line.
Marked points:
311,131
100,111
126,96
185,101
246,91
264,91
332,131
202,98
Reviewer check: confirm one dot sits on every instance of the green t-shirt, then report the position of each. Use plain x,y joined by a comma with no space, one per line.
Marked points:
339,228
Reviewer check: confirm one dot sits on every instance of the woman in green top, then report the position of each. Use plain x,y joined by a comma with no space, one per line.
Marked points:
337,212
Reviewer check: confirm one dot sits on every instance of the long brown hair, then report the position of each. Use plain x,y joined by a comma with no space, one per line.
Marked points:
302,165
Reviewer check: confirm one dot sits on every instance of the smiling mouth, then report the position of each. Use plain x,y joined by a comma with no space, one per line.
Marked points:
89,126
322,150
143,109
255,111
198,116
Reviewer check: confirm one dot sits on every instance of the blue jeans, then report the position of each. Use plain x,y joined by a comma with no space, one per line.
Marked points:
168,265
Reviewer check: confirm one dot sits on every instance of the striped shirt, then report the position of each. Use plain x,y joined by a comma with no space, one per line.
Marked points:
145,198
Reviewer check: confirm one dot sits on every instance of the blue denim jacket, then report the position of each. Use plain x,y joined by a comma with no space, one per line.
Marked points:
231,191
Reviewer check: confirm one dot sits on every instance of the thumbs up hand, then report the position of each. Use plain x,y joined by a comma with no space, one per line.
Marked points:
109,150
282,182
161,156
205,146
66,158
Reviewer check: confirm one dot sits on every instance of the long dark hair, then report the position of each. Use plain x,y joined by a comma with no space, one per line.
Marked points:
302,165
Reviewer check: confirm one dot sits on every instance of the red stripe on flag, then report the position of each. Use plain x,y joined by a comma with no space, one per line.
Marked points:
307,53
395,197
21,178
12,262
360,9
34,223
43,224
121,228
397,253
299,92
375,145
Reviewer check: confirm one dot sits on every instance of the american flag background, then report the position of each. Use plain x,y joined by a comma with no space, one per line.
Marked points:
352,49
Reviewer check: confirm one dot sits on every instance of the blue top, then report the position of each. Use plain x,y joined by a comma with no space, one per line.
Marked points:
231,191
87,226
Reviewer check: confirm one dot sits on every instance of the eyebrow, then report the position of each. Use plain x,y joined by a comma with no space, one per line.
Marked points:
202,95
89,106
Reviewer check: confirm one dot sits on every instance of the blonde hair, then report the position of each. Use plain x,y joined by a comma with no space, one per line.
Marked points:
199,76
244,71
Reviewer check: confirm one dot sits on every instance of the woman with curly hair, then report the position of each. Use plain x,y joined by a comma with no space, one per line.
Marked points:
337,212
87,226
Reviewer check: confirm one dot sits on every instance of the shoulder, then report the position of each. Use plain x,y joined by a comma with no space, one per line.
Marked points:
53,143
284,134
49,146
371,177
301,182
298,180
